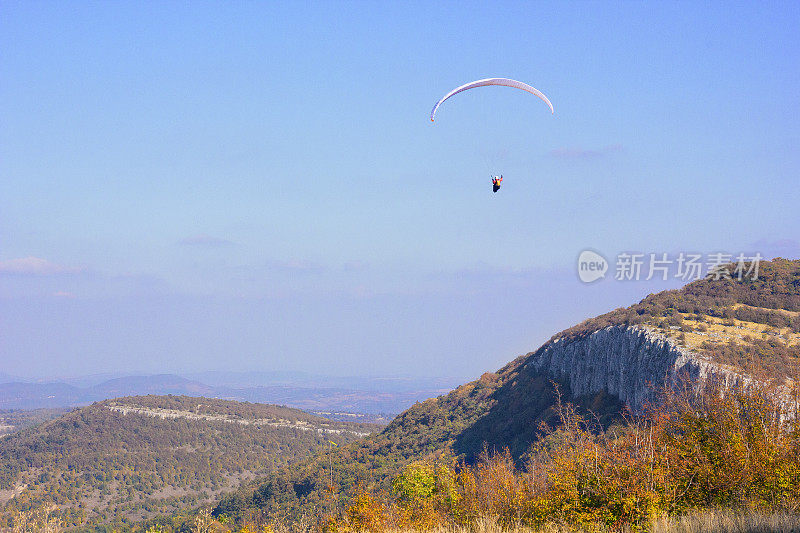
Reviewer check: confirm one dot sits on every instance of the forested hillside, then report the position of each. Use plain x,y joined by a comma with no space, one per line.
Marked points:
126,459
497,411
749,325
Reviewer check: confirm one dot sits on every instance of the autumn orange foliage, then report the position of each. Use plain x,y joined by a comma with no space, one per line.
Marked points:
738,450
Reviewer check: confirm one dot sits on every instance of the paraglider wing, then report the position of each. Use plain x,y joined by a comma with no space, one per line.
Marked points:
505,82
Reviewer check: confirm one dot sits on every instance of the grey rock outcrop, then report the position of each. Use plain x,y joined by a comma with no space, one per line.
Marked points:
629,362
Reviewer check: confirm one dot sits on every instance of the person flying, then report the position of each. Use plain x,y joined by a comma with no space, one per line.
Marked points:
497,181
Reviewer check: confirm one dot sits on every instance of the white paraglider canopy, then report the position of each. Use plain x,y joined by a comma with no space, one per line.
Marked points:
504,82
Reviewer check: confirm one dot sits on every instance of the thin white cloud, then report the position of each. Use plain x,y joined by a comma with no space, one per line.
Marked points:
206,241
34,266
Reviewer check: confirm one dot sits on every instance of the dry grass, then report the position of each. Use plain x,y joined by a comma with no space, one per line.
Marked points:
720,331
491,525
728,522
704,522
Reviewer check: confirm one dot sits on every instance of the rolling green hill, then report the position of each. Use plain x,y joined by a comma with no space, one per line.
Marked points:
130,458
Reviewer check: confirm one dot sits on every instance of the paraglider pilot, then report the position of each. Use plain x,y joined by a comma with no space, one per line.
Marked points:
497,181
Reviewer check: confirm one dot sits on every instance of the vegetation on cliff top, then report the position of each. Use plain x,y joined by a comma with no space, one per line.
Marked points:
750,324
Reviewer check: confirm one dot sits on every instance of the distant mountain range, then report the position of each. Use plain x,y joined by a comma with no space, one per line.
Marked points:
8,378
303,391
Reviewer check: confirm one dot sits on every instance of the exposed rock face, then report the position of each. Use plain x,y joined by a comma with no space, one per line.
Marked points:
629,362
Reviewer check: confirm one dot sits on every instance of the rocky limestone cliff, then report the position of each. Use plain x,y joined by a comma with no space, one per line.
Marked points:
629,362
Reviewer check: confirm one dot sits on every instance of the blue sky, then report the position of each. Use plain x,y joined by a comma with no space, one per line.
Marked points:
192,186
